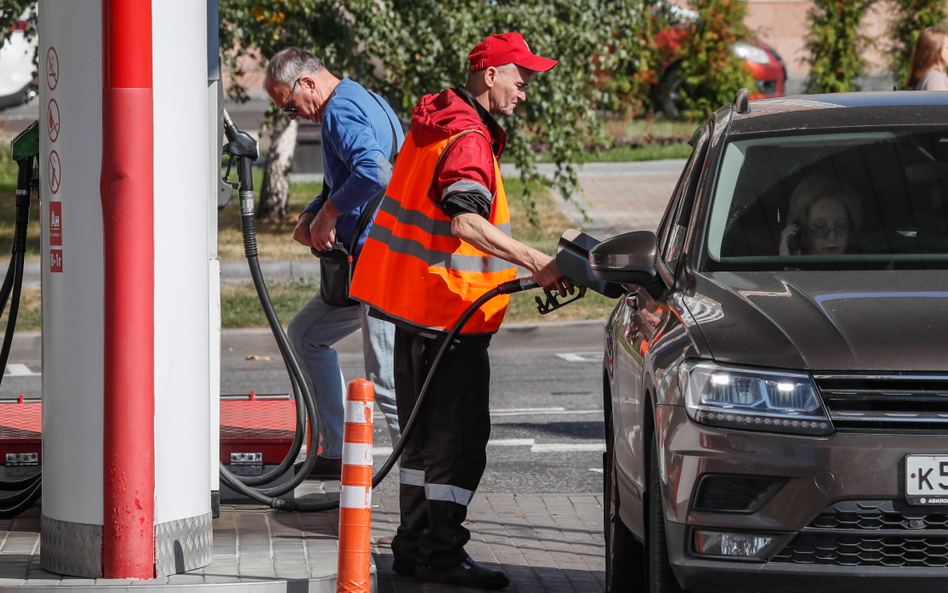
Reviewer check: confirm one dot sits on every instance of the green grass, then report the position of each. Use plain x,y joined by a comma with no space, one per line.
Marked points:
651,152
241,308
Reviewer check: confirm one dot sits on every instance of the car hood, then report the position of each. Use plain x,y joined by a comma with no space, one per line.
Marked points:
840,321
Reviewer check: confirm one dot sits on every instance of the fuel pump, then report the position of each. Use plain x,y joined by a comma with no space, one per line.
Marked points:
24,149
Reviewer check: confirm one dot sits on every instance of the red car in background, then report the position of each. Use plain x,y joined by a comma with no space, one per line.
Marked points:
762,60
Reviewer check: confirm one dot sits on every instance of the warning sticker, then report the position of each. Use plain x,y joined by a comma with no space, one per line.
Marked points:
56,223
52,68
56,260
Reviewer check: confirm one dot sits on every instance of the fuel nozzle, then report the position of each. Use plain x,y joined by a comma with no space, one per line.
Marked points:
239,144
545,305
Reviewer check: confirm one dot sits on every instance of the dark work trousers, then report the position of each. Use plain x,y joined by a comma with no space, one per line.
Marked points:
445,455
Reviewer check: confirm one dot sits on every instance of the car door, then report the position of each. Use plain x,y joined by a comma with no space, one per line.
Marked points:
638,320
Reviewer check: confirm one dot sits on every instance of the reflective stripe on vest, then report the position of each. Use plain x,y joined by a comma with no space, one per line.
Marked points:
412,268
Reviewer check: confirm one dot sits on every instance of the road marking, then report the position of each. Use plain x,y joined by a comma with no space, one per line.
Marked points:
19,370
534,447
386,451
568,448
598,470
510,442
539,411
581,356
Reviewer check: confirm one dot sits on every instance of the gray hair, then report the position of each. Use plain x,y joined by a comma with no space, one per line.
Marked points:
503,70
291,63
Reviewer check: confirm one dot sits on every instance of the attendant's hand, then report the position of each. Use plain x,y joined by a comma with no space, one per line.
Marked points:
550,278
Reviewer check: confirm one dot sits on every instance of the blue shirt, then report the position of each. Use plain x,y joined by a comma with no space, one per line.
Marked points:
357,144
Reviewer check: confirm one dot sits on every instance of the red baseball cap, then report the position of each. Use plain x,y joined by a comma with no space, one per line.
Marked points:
507,48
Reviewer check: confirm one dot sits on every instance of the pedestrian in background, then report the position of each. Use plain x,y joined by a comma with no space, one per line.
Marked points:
360,135
929,60
441,240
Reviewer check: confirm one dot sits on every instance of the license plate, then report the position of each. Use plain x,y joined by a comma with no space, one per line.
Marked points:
926,479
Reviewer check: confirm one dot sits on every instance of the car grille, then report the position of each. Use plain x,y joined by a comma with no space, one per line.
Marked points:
886,403
883,533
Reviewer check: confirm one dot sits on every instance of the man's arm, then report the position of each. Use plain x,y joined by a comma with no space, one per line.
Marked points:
350,135
480,233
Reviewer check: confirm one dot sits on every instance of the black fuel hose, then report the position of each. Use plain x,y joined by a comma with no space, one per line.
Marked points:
239,143
514,286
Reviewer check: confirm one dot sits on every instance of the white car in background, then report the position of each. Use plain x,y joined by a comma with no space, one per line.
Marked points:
17,83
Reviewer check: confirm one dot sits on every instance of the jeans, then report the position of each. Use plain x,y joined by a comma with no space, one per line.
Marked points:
312,333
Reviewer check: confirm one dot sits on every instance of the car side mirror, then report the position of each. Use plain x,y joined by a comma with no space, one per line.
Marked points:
629,258
572,259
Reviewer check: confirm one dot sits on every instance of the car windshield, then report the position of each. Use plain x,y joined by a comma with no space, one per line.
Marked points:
840,200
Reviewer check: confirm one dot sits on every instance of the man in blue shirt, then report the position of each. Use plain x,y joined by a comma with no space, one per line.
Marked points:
358,130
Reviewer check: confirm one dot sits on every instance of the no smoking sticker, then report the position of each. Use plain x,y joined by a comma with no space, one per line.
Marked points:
55,171
52,68
52,120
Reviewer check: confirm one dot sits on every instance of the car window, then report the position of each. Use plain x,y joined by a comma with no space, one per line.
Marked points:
845,200
680,211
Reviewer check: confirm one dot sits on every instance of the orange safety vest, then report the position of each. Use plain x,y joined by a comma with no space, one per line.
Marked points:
412,268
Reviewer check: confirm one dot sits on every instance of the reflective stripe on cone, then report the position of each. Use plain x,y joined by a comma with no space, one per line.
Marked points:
355,500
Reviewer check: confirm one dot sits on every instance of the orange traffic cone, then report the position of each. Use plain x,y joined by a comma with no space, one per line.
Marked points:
355,500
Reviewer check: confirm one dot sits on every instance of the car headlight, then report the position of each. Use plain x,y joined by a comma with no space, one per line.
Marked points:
766,401
751,53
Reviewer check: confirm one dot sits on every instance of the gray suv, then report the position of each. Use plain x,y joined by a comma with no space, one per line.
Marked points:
776,369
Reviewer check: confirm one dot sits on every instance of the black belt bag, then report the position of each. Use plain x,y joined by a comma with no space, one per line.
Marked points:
335,275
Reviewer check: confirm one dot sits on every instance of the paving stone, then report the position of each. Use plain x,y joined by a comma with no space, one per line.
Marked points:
532,548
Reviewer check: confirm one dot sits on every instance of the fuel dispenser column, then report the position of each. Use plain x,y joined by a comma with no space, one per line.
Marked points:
126,322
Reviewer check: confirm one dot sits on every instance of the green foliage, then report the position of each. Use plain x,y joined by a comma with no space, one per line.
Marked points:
909,19
408,48
8,167
10,13
710,73
630,64
835,45
261,28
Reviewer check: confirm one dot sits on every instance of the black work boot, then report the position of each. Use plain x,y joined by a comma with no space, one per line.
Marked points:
466,574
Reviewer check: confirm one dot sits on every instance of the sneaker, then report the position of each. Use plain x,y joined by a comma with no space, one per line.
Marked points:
326,469
403,567
466,574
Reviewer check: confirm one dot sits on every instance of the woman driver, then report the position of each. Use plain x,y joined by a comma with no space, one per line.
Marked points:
824,213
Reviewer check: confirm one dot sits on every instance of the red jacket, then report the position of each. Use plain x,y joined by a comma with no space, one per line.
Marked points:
471,158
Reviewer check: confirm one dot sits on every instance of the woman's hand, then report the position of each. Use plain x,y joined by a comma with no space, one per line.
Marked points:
791,231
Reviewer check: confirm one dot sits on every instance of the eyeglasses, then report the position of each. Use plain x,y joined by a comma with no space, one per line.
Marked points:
822,232
289,108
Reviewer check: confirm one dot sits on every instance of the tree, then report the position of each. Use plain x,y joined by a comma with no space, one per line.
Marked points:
10,13
836,45
275,190
709,74
628,69
260,28
405,49
910,18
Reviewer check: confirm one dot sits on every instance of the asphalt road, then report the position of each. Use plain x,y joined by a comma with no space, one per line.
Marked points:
546,398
